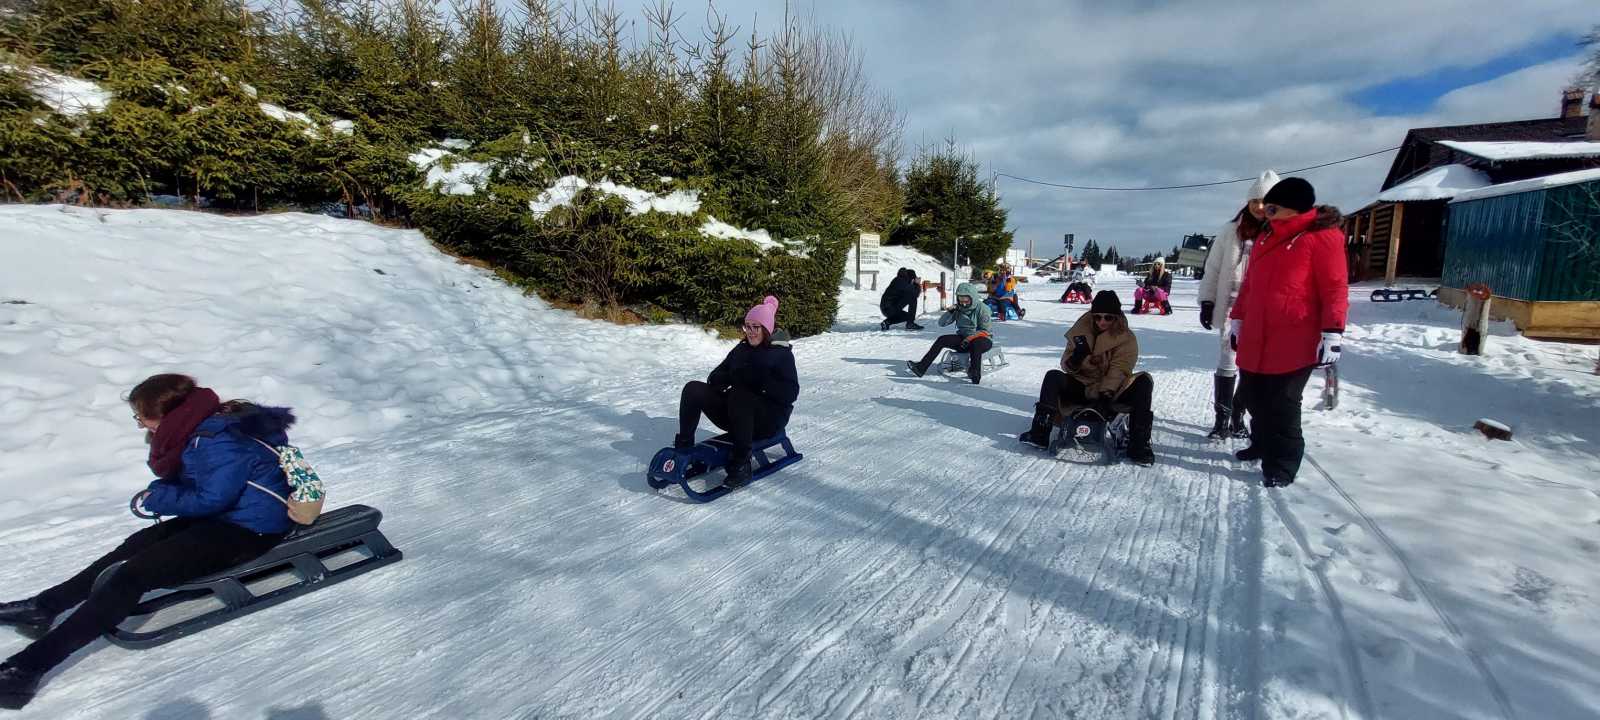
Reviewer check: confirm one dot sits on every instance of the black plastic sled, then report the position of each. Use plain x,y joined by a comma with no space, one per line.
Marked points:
1392,295
1087,434
343,543
671,466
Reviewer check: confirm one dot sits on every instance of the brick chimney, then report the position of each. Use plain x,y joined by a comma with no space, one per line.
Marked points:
1572,102
1593,135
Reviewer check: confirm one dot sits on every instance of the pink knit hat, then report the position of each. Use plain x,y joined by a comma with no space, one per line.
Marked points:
765,314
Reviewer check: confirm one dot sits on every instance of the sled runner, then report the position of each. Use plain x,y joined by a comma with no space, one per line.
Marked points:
1330,387
671,466
1393,295
1087,435
953,363
342,544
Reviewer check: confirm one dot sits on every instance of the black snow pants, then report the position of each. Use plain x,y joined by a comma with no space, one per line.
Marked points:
1274,405
163,555
974,351
906,314
1065,389
744,415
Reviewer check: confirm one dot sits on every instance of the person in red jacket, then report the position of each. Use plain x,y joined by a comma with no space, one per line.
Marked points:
1289,319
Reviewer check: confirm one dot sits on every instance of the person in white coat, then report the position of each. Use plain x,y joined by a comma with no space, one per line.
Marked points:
1225,269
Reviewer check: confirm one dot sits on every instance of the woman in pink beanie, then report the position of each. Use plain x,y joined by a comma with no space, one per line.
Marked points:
749,395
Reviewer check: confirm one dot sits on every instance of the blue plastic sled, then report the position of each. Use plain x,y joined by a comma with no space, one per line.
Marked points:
994,309
677,467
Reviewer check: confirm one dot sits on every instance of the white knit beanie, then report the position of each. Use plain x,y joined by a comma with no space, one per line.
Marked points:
1259,188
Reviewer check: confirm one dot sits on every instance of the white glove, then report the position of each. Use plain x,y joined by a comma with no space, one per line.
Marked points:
1233,333
1328,350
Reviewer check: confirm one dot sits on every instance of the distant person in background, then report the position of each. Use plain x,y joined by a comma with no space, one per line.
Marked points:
899,301
1225,268
1003,294
1288,319
750,394
206,458
971,318
1156,287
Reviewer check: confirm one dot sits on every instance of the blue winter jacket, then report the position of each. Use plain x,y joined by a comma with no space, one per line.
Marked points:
219,462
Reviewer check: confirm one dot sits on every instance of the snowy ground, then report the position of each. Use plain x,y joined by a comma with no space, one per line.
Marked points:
918,563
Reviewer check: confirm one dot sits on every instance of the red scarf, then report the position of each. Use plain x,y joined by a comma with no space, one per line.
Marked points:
166,445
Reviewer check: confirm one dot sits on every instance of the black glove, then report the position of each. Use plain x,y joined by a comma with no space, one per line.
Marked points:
1206,308
1080,351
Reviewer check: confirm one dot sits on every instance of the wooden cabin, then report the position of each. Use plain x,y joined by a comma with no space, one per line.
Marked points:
1401,232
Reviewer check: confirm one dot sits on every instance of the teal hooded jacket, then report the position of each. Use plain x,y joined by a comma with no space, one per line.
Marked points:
973,318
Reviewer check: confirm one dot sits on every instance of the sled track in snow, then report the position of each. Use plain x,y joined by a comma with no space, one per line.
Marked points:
1351,673
1459,640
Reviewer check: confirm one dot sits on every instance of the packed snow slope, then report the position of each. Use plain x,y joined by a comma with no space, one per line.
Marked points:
918,563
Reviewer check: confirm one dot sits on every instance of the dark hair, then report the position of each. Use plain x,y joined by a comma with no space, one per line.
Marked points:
1250,228
160,394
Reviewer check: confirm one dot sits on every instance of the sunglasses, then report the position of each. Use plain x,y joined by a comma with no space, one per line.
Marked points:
1107,317
752,328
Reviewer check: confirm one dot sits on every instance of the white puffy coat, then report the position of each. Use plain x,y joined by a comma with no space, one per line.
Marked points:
1225,266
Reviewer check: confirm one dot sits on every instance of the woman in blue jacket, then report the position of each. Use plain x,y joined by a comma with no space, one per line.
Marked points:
750,394
205,456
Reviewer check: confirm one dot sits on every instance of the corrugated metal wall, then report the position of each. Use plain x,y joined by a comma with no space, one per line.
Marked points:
1497,241
1571,259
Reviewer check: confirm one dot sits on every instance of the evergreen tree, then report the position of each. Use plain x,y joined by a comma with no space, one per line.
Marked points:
1091,254
945,203
1111,256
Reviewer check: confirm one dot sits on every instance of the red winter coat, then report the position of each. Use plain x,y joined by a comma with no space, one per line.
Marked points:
1294,289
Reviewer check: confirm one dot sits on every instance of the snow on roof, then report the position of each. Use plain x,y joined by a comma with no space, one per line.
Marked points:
678,202
1538,183
1498,151
63,94
1440,183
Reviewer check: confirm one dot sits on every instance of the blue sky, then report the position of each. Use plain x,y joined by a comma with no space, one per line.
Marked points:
1405,95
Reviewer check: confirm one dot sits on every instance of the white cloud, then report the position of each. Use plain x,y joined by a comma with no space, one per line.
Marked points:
1146,93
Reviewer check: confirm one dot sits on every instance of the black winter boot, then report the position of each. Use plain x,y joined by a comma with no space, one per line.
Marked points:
1236,425
915,369
913,326
1038,433
17,685
27,617
1249,454
1222,402
680,442
739,474
1139,424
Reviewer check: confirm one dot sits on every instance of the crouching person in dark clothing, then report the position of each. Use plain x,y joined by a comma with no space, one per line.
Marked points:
899,301
750,395
1097,368
971,318
206,457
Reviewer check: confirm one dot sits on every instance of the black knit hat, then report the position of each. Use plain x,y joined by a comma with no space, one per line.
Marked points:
1106,301
1293,193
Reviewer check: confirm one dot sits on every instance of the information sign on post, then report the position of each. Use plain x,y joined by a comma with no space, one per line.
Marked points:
867,258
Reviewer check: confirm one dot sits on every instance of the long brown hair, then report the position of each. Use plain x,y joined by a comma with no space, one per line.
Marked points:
158,395
1249,227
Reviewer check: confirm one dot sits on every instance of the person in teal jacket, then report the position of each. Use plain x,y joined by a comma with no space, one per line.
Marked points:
971,318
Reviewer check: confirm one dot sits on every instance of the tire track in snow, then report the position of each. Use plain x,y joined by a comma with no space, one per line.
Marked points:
1457,638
